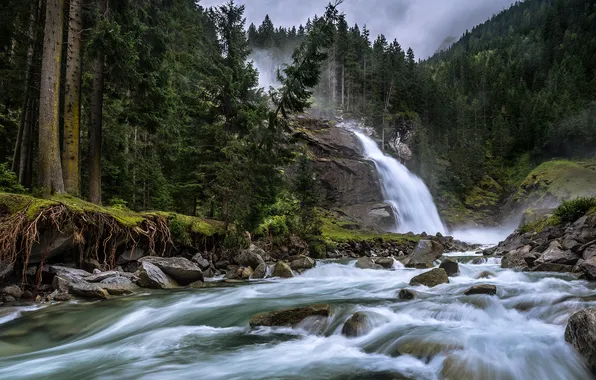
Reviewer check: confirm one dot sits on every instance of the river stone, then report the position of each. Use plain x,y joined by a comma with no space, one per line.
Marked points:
131,255
302,263
260,272
12,290
182,270
358,325
118,285
289,317
62,297
581,334
202,262
557,255
450,266
406,294
367,263
485,274
150,276
5,269
431,278
87,290
282,270
102,276
385,262
246,273
250,257
424,255
490,290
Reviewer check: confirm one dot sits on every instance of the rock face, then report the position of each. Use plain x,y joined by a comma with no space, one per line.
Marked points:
367,263
425,253
491,290
282,270
450,266
150,276
581,334
51,243
357,325
289,317
431,278
182,270
379,215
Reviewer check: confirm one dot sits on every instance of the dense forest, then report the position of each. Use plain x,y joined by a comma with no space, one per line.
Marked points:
154,104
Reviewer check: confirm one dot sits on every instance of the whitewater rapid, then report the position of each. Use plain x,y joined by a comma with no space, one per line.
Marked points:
517,334
407,194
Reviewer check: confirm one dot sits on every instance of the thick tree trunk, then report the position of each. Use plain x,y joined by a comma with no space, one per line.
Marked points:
95,124
72,100
50,168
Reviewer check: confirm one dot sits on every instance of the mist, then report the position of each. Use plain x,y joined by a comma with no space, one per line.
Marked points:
424,25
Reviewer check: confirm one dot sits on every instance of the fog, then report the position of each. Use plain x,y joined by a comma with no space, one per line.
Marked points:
423,25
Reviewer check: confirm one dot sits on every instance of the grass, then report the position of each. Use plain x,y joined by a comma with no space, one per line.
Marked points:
338,231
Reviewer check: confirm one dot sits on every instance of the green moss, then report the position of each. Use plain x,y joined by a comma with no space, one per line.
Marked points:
192,224
337,231
486,194
540,225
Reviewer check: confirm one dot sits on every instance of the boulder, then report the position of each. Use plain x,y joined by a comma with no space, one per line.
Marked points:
12,290
209,273
202,262
581,334
8,299
222,264
367,263
91,265
260,272
588,268
182,270
87,290
490,290
406,294
588,252
485,274
5,269
51,243
553,267
289,317
62,297
555,254
431,278
450,266
516,259
246,273
102,276
282,270
358,325
424,255
302,263
385,262
118,285
60,283
151,276
250,257
71,274
131,255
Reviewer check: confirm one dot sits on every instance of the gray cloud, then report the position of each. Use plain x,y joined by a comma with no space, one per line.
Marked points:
420,24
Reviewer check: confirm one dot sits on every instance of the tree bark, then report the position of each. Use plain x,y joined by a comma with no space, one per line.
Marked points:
72,100
95,124
50,168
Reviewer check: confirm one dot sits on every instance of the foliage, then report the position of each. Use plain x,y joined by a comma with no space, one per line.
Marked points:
8,181
570,211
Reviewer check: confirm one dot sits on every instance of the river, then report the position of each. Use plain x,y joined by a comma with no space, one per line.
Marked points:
204,333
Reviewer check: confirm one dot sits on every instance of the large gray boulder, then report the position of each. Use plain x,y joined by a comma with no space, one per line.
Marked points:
358,325
289,317
182,270
581,334
250,257
102,276
12,290
367,263
118,285
424,255
87,290
385,262
450,266
518,258
260,272
282,270
131,255
431,278
589,252
71,274
151,276
588,268
202,262
555,254
302,263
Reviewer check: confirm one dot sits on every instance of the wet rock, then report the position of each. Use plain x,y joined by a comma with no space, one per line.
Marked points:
282,270
202,262
118,285
302,263
385,262
490,290
102,276
485,274
357,325
516,259
131,255
289,317
260,272
553,267
450,266
235,274
8,299
151,276
250,257
367,263
581,334
60,283
514,242
406,294
423,348
72,274
424,255
197,285
589,252
5,269
246,273
12,290
62,297
431,278
588,268
182,270
557,255
87,290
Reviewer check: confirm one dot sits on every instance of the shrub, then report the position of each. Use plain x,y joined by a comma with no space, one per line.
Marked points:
179,233
570,211
8,181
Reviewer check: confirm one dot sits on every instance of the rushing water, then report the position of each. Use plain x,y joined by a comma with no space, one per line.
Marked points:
204,333
404,191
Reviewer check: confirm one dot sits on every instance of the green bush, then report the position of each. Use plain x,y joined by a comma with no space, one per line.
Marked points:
179,233
8,181
317,247
570,211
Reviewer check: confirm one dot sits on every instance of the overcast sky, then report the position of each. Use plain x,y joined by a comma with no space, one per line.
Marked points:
420,24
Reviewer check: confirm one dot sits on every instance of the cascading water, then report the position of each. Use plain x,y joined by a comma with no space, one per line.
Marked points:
404,191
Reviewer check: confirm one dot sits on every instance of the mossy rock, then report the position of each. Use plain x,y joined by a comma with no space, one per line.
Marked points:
289,317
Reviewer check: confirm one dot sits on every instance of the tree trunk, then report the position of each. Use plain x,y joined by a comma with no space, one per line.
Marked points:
72,100
95,124
50,168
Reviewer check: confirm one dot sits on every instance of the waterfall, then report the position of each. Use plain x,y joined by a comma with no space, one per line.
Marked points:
404,191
